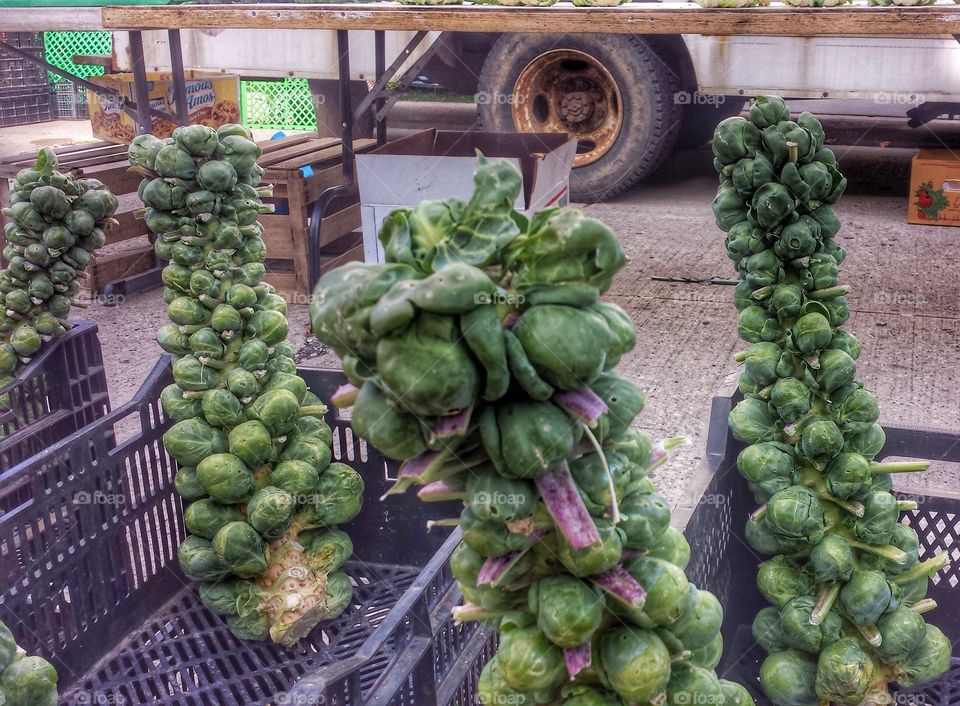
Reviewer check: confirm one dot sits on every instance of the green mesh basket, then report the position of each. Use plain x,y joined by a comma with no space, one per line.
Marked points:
277,105
62,46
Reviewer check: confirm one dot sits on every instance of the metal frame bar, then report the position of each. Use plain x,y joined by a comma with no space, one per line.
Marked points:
177,75
385,76
141,92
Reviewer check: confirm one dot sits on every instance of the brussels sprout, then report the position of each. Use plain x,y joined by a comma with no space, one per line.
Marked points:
217,176
566,345
250,625
198,560
177,406
798,632
821,441
734,694
326,550
270,512
768,631
493,498
699,626
857,412
880,516
225,477
338,497
313,451
338,592
796,513
187,485
928,660
196,140
173,162
492,689
490,538
836,369
844,672
221,408
734,139
709,655
533,438
242,383
692,684
790,398
568,610
204,517
297,478
635,662
251,442
903,538
673,547
781,579
277,410
666,585
769,465
847,474
192,440
902,631
832,559
29,681
268,326
788,678
222,597
239,548
812,332
624,401
644,518
143,150
240,151
528,660
865,597
752,421
592,560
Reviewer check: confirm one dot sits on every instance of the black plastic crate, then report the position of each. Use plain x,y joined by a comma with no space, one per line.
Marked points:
90,578
722,562
26,108
63,389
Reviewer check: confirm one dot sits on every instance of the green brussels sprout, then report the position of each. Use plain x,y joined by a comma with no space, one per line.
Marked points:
768,631
251,442
8,646
734,694
339,496
198,560
50,201
585,696
205,516
277,410
29,681
752,421
821,441
493,498
270,512
709,655
788,679
769,465
206,342
594,479
531,438
624,401
796,513
748,175
187,485
143,150
846,342
735,139
666,585
190,374
297,478
635,663
465,564
781,579
192,440
903,538
836,370
493,690
644,518
223,597
338,592
221,408
196,140
592,560
797,631
692,684
772,205
798,239
857,412
253,354
240,151
326,549
239,548
729,207
217,176
763,269
25,341
790,398
566,345
289,382
812,332
186,311
929,659
697,627
831,559
250,625
766,111
242,383
268,326
313,451
528,660
226,318
866,596
847,474
568,610
880,516
177,407
761,537
489,538
844,672
175,163
673,547
760,362
902,632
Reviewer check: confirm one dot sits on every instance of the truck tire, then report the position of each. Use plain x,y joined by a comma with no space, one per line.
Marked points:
610,90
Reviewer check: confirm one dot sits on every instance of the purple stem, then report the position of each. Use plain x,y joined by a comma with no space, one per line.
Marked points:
438,491
416,466
345,396
617,582
581,448
584,404
511,319
495,567
577,659
566,507
452,425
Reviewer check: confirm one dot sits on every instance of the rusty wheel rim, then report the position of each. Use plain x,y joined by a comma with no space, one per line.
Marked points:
565,90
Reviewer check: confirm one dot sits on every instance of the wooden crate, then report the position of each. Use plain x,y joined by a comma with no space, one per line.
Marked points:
108,163
286,234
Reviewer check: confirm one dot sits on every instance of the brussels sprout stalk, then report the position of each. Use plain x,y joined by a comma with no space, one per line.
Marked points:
924,569
577,659
566,507
887,551
924,605
899,466
344,396
583,404
622,586
439,491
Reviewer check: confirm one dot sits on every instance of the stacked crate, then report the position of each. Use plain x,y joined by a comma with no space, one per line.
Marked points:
25,95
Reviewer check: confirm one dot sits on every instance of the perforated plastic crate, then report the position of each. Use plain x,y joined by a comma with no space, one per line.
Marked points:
90,580
19,76
61,47
71,101
63,389
277,105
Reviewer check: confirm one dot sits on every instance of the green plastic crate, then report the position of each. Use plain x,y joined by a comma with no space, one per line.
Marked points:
62,46
277,105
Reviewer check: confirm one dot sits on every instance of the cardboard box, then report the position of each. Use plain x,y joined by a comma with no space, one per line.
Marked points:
212,99
934,188
438,164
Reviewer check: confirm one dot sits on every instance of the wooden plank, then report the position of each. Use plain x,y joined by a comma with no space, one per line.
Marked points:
286,286
107,268
355,254
268,146
320,182
339,224
278,237
129,228
298,231
104,60
50,19
282,159
328,155
631,18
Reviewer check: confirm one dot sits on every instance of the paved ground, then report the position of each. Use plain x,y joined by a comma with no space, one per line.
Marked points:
905,303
